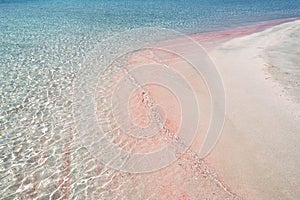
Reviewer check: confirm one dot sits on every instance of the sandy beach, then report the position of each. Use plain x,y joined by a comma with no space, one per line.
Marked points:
149,100
258,153
256,156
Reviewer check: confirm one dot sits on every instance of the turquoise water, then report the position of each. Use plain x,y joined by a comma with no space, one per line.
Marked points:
42,47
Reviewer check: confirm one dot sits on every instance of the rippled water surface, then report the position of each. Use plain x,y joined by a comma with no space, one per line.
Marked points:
43,45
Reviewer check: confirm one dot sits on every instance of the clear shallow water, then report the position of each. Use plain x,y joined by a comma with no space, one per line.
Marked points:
42,47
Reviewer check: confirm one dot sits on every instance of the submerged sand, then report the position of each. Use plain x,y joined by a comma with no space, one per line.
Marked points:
257,155
255,158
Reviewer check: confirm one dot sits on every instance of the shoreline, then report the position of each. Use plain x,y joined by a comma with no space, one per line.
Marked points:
212,39
223,185
253,107
77,123
189,177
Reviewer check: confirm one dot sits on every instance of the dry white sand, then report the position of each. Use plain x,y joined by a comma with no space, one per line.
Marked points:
257,155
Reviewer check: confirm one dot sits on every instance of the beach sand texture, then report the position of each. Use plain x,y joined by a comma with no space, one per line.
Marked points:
258,153
255,158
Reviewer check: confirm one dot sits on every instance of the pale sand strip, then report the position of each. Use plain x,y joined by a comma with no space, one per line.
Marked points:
258,153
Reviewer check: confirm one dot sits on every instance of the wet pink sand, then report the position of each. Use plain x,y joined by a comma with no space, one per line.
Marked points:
211,39
189,177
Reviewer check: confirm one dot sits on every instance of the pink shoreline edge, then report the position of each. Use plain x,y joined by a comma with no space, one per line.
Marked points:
208,39
211,39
